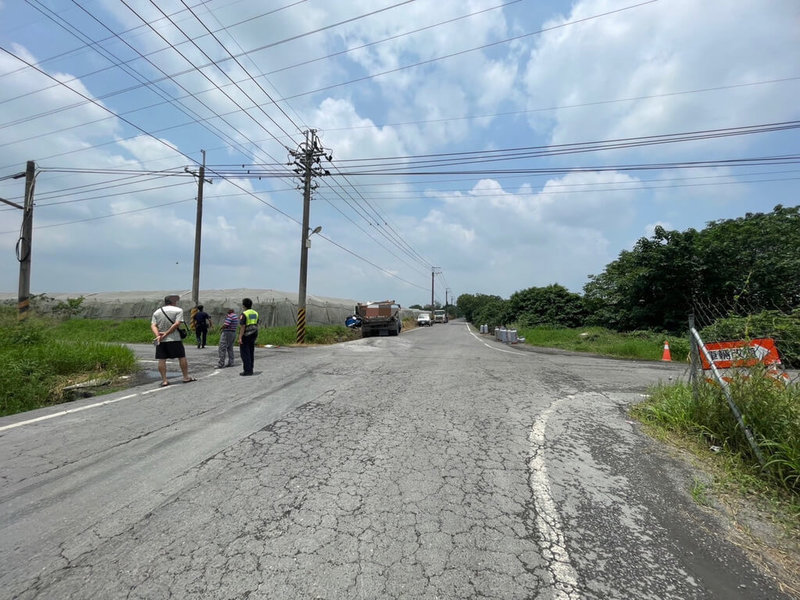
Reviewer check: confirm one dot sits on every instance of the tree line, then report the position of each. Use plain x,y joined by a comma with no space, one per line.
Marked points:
754,260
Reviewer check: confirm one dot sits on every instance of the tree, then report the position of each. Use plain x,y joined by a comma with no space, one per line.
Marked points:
654,286
493,312
649,287
471,304
755,258
551,305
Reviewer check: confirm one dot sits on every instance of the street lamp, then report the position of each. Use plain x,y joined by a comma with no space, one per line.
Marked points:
308,237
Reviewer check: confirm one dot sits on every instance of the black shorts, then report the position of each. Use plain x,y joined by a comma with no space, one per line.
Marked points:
170,350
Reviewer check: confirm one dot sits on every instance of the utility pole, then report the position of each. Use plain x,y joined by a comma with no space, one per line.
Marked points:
306,161
24,245
433,306
198,229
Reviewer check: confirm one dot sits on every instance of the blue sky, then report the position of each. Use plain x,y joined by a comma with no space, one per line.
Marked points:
115,100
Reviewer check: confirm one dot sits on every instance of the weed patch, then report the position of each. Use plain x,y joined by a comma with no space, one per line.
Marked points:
770,410
641,345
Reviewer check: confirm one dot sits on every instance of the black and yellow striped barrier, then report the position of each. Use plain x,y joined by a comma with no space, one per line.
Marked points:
301,326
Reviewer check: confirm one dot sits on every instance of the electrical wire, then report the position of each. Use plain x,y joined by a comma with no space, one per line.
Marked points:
391,38
467,51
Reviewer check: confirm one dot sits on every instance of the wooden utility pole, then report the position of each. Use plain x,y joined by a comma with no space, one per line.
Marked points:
198,230
24,245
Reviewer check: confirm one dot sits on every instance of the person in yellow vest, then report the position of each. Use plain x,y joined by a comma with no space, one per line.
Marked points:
248,332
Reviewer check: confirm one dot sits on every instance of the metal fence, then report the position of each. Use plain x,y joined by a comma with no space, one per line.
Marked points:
728,320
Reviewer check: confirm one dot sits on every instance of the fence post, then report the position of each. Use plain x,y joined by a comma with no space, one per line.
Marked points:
726,390
696,368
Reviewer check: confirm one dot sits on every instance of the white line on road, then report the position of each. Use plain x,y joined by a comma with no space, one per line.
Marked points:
67,412
548,523
489,345
63,413
551,537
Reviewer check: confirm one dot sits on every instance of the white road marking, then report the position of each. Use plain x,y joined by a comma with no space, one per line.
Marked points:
551,537
489,345
68,412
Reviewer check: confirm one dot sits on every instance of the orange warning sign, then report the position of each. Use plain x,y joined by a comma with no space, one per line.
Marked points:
734,355
729,355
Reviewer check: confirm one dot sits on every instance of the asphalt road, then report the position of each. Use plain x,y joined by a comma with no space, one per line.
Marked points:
437,464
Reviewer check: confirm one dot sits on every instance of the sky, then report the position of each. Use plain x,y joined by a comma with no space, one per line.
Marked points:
479,146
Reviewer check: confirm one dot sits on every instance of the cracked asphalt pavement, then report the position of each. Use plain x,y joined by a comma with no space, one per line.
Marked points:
436,464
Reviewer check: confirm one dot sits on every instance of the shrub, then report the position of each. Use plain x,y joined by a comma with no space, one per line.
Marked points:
784,328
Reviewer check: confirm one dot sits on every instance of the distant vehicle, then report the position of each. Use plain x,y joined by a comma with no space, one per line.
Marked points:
439,316
376,318
424,320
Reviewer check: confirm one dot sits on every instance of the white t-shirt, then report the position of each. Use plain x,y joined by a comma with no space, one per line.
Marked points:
176,314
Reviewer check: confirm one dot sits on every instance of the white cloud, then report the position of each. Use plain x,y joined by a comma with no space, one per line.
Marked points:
489,231
659,49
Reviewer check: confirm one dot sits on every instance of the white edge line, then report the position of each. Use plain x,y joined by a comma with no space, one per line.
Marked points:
489,345
63,413
67,412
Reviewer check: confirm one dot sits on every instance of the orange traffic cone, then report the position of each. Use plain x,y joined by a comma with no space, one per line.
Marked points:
666,355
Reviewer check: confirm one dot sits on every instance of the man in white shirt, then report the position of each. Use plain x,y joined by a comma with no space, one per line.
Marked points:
169,344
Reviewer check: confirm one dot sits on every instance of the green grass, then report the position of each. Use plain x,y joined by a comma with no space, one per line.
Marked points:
42,356
133,331
771,411
699,491
39,360
642,345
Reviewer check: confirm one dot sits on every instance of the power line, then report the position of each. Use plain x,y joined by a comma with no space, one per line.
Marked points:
225,73
516,153
372,264
200,71
732,162
116,61
98,218
514,113
97,104
467,51
390,38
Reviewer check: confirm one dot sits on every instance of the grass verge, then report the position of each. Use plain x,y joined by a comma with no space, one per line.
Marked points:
641,345
40,362
769,409
762,503
42,357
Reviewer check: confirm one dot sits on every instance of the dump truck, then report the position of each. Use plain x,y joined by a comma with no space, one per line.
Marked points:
378,318
439,316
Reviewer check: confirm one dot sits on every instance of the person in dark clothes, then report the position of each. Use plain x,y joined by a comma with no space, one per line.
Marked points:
202,323
248,332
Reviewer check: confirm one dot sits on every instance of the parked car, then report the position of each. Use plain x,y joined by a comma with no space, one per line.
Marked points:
424,320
